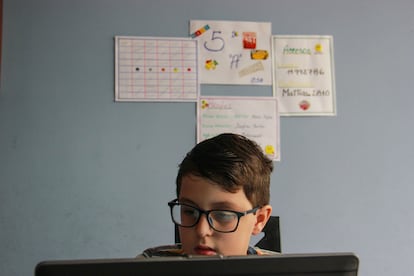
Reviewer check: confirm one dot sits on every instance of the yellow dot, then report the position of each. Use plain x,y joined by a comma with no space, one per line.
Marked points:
269,149
318,48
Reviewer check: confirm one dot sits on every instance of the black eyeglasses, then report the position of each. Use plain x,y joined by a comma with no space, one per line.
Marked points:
224,221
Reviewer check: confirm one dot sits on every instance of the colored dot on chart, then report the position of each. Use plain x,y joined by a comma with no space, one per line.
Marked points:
188,69
163,69
176,69
137,69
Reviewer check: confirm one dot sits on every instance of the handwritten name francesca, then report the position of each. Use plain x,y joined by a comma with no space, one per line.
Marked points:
296,51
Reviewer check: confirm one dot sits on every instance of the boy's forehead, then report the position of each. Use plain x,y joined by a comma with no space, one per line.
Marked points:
201,191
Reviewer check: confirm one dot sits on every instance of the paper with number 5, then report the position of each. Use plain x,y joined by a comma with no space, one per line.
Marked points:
233,52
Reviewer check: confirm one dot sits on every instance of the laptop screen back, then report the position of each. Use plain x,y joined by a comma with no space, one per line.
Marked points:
335,264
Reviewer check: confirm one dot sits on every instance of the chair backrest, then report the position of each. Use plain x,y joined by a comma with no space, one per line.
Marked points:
270,241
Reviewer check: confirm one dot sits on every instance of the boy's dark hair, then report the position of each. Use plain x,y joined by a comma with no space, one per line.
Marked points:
232,162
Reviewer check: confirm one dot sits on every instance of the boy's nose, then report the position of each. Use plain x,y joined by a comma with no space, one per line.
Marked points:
203,228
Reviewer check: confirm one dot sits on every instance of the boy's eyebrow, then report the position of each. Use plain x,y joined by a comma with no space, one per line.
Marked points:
215,205
224,205
186,201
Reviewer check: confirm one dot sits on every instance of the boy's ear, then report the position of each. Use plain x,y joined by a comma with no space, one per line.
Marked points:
262,216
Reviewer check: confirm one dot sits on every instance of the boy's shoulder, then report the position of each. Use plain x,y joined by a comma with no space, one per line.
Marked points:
260,251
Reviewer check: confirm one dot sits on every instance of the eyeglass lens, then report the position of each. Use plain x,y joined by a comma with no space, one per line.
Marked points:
219,220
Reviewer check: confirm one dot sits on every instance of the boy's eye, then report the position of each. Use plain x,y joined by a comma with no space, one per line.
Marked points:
189,212
223,216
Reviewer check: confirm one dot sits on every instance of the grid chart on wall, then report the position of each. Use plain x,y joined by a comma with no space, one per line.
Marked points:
156,69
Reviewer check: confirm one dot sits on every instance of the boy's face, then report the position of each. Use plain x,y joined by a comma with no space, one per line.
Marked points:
201,239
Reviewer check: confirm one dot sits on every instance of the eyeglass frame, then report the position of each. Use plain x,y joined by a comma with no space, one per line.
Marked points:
175,202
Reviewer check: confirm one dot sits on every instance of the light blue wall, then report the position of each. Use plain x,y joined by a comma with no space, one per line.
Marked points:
84,177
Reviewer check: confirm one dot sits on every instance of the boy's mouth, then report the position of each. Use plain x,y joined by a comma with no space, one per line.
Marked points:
204,250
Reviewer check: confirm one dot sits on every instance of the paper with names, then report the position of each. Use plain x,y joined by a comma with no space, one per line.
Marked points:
256,118
233,52
304,80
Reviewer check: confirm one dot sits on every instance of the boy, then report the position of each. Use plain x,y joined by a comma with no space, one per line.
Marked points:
222,191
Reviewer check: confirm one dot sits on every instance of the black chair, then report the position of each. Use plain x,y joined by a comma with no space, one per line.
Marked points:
270,241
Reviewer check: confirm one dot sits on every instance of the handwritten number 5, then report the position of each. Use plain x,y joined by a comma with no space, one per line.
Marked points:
218,42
